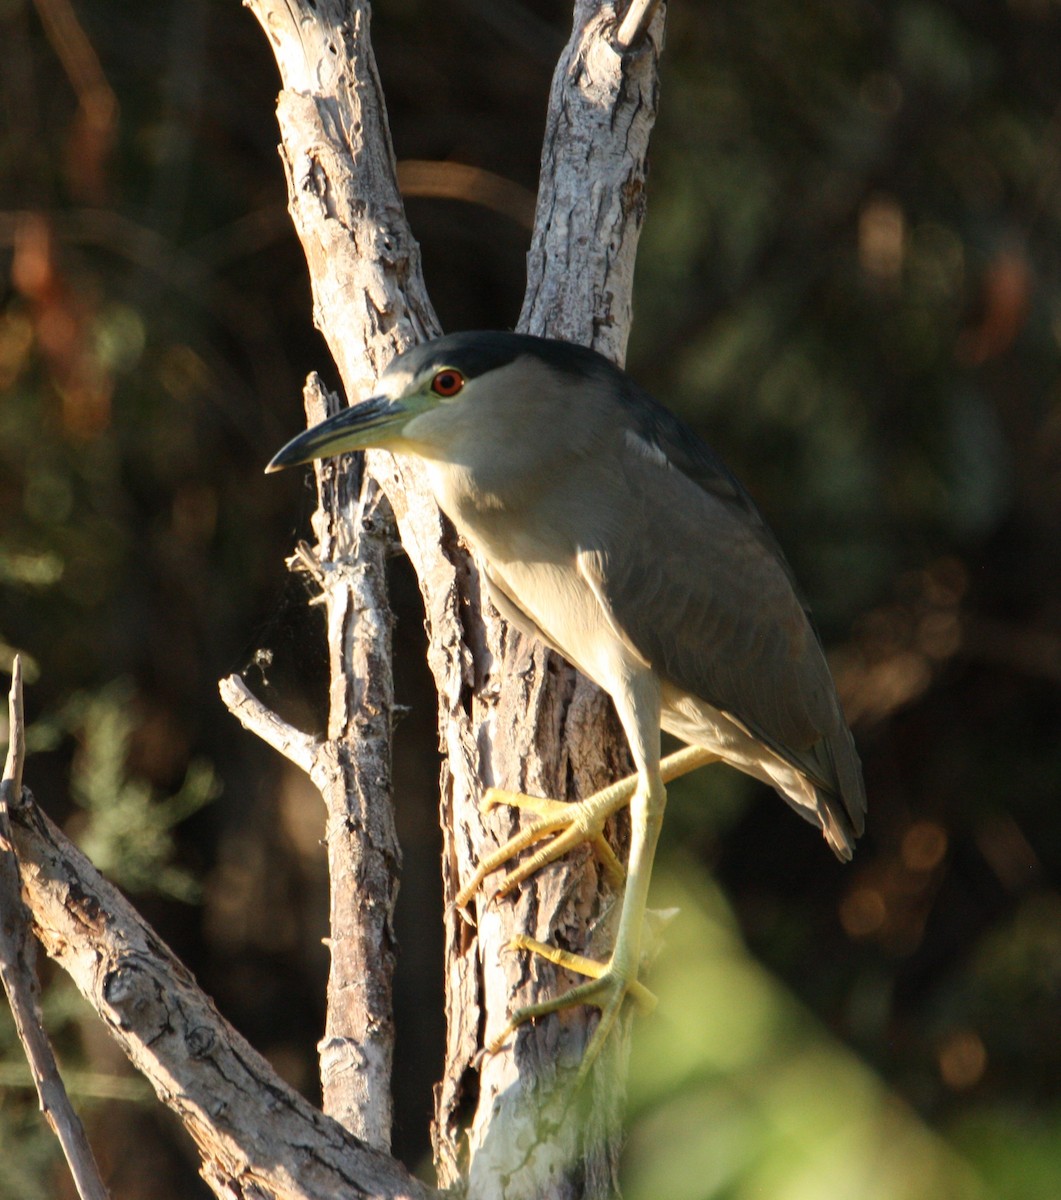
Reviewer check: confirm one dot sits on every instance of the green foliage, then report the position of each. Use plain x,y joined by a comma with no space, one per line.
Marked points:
737,1091
128,833
127,827
29,1152
1016,1150
31,1161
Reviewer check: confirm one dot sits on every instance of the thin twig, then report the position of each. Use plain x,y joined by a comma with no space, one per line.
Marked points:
296,746
16,739
458,181
635,23
20,982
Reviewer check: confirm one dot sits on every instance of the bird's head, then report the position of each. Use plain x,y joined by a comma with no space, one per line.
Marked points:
440,393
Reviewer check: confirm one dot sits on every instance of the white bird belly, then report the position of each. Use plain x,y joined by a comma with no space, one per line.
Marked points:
567,611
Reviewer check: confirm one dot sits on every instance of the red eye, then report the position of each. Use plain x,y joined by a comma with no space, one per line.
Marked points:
447,382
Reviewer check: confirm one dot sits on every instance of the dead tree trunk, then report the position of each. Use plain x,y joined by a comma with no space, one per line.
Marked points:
510,712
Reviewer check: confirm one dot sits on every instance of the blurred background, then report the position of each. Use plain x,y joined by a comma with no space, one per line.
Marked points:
849,283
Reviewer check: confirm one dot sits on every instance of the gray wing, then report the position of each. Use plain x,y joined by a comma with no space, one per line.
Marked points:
698,584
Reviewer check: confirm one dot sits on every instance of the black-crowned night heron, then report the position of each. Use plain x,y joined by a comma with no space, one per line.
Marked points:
608,529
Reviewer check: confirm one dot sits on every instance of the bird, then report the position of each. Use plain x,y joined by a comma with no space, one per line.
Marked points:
608,529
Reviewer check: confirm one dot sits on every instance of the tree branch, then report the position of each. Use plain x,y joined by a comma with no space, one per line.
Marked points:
19,979
16,734
508,712
369,302
297,747
591,197
355,530
636,23
352,769
547,727
257,1136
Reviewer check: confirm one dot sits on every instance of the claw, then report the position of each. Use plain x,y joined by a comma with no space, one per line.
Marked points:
560,818
571,823
563,827
592,968
607,988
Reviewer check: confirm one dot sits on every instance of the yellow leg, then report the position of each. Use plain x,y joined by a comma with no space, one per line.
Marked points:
554,815
609,984
644,999
569,825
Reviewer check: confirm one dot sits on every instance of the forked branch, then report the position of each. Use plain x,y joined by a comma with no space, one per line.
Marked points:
19,978
256,1136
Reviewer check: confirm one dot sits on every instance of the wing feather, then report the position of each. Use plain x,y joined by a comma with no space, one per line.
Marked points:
725,624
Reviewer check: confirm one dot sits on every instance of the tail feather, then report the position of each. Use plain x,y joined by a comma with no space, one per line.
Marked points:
842,809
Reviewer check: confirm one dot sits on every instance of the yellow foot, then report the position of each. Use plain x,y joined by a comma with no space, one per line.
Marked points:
565,825
607,987
568,825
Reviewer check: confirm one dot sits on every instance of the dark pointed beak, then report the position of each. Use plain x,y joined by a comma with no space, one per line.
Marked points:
373,422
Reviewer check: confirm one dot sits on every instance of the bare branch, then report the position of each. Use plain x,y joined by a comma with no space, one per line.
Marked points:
591,199
545,725
369,298
252,714
369,302
257,1136
355,532
352,770
635,23
16,736
19,979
